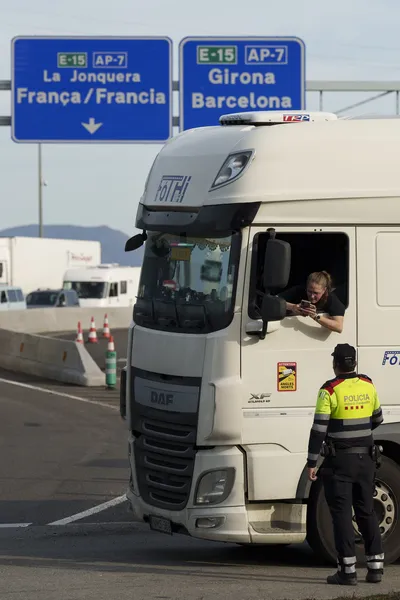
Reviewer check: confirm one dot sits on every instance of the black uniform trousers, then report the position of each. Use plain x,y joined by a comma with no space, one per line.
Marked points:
348,481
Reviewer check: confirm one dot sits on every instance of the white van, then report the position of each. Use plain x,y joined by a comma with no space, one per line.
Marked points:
11,298
104,285
218,438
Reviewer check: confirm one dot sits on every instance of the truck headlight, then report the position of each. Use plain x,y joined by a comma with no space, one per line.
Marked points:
232,168
214,486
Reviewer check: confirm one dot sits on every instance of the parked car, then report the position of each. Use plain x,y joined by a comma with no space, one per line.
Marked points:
11,298
52,298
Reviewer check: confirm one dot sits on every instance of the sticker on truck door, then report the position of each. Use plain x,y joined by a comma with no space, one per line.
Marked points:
287,377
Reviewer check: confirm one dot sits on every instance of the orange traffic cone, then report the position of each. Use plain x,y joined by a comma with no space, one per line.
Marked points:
92,337
110,345
106,328
79,337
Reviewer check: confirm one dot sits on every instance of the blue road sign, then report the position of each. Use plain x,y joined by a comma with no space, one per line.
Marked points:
84,89
226,75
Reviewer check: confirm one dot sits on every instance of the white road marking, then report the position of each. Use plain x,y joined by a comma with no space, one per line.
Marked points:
6,525
90,511
56,393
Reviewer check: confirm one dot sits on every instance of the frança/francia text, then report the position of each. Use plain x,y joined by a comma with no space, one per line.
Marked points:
96,95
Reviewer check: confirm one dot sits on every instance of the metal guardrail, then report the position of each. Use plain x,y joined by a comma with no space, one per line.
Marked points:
384,88
5,86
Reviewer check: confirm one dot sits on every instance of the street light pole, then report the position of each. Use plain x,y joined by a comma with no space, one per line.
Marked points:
40,190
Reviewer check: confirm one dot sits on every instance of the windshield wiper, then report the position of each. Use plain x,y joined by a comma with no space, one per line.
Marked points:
167,319
193,321
174,313
141,309
207,316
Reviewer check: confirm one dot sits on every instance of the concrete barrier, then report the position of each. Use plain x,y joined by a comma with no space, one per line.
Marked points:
52,358
42,320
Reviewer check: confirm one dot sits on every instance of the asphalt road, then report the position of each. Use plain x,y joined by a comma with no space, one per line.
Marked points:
98,350
60,455
64,453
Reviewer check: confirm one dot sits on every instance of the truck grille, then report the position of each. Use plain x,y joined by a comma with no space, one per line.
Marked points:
164,457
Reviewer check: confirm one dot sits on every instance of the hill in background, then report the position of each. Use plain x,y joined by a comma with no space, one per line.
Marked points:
112,241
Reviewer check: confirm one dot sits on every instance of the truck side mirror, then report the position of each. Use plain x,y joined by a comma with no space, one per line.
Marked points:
135,242
273,308
276,265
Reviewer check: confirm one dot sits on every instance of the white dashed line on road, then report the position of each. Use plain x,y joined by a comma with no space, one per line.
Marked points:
56,393
12,525
90,511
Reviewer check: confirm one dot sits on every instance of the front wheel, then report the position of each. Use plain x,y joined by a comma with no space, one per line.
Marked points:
387,508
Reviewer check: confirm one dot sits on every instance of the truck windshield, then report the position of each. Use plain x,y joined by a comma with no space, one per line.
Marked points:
187,283
87,289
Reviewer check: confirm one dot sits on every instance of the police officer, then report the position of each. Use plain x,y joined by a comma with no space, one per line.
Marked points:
347,411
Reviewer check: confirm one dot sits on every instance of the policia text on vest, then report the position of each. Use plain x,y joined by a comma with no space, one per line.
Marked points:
347,411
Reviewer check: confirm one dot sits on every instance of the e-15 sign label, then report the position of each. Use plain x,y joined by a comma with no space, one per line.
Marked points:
71,59
217,55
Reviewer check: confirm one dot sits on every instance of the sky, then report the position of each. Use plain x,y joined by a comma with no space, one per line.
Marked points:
101,184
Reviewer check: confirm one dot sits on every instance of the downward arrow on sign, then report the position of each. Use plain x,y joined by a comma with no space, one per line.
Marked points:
92,126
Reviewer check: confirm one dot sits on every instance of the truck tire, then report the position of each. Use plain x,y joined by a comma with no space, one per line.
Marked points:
387,507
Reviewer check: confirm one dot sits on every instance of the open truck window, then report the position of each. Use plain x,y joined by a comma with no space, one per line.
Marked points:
310,251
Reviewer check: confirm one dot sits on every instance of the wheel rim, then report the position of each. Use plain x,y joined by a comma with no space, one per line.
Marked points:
385,508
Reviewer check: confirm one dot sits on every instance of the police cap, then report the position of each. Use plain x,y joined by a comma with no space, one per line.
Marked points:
344,352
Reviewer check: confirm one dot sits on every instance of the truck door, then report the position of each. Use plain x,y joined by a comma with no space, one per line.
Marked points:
281,374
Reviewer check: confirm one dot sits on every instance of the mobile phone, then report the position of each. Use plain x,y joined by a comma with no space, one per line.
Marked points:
305,304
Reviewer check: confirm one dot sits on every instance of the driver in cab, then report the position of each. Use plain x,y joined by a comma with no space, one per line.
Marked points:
315,297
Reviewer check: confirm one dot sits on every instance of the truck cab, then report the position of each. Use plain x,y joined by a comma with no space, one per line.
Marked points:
221,382
105,285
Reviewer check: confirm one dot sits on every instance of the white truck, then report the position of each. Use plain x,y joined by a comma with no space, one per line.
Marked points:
104,285
31,263
217,444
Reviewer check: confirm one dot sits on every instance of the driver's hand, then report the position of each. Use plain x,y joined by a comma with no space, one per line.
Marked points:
299,311
309,312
